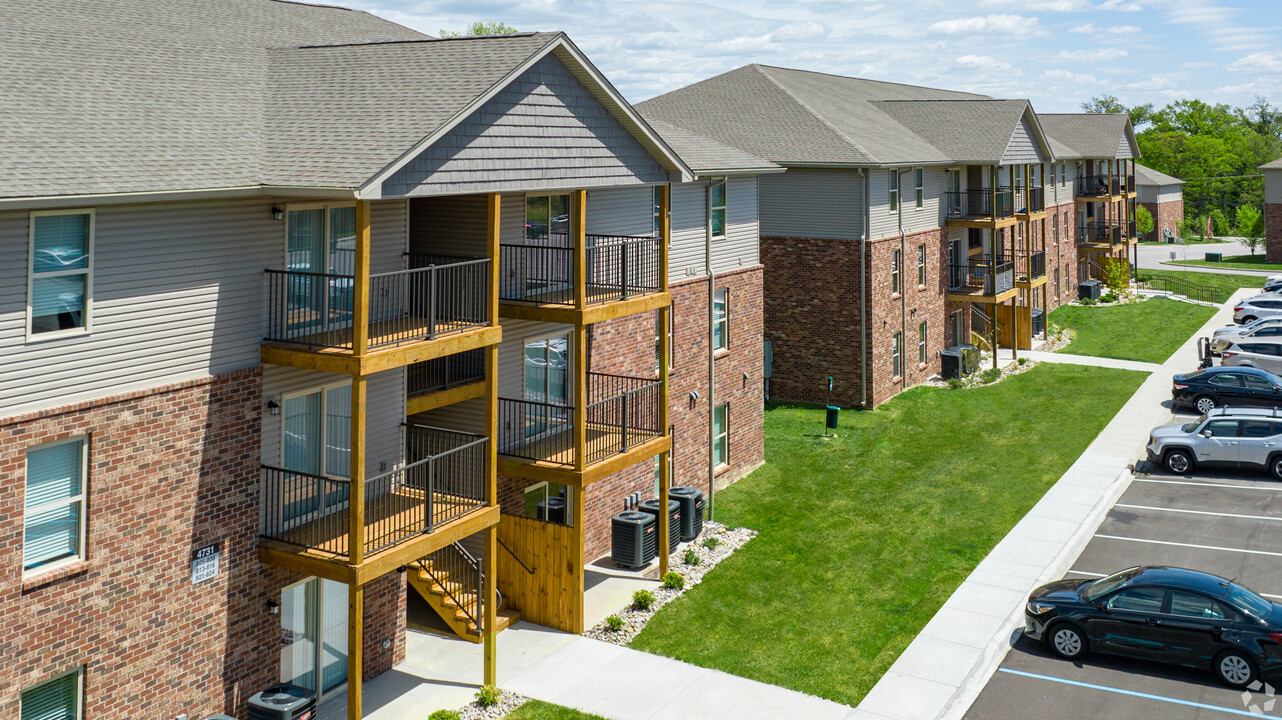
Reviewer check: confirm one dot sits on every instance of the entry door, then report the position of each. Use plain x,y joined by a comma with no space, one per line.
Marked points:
1222,446
313,620
954,192
548,261
547,382
1130,623
320,241
317,440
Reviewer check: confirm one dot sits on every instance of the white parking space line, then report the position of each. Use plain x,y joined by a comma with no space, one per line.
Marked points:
1200,512
1132,693
1190,545
1272,489
1100,575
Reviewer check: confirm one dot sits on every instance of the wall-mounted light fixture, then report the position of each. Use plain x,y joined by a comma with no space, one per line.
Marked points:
273,607
277,213
273,407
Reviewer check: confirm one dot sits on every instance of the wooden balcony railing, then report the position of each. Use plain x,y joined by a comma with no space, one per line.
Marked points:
1030,200
443,479
978,204
443,373
1098,186
1099,233
616,268
1030,265
980,278
422,303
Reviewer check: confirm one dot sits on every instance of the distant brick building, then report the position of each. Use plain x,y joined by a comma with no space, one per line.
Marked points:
1273,209
1163,197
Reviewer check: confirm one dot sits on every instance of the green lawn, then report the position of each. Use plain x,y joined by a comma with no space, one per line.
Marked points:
1149,331
863,537
1222,284
1236,262
539,710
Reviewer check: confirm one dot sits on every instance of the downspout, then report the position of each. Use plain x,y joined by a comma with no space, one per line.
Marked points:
903,286
712,363
863,295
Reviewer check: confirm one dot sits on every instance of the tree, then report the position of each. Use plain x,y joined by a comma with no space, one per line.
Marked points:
1117,276
480,28
1143,221
1104,104
1220,224
1250,225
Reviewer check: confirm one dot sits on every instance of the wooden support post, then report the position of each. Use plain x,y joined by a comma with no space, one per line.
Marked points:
580,354
1014,325
355,648
360,284
577,559
491,562
578,230
492,238
992,322
356,475
665,233
665,548
490,622
665,459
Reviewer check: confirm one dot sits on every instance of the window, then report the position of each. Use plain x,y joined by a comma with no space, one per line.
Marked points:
1140,599
721,435
1055,227
57,699
547,219
895,260
721,319
896,355
974,238
717,207
60,272
892,193
1057,282
548,502
658,346
1191,605
1257,383
1226,380
921,265
54,507
918,187
1222,428
657,210
1260,428
921,343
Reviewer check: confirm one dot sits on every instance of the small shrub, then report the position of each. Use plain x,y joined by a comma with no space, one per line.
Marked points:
991,375
642,599
614,622
1088,301
690,558
711,542
444,715
954,384
1108,298
673,581
1022,361
487,696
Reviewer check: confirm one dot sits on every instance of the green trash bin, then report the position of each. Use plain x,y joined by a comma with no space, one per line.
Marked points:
1213,257
831,422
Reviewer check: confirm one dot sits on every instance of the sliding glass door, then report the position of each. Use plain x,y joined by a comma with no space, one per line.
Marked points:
317,440
313,618
320,242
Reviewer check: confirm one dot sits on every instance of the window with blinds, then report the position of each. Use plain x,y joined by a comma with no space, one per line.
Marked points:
58,699
60,286
53,511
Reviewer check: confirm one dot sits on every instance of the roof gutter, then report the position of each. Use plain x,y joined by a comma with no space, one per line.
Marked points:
41,202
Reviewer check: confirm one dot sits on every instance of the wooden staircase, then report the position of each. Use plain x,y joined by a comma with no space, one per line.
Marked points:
450,580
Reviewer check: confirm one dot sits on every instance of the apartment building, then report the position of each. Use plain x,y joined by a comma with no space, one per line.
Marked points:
306,312
1096,154
1163,196
1273,209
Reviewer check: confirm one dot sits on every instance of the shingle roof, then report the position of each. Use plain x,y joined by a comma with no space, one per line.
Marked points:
144,95
1275,165
1148,176
707,156
395,94
800,117
1087,135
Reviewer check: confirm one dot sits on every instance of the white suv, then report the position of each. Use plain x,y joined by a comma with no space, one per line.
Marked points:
1240,437
1260,306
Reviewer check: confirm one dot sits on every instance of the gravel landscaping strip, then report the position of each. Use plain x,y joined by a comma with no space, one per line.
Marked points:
508,702
634,618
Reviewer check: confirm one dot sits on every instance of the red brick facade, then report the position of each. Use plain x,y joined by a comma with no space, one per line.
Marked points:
1061,254
1165,215
1273,231
170,470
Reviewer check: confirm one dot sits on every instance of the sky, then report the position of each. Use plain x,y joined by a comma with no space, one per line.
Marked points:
1056,53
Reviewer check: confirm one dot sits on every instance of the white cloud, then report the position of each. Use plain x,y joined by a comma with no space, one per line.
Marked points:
806,30
1090,29
1092,55
1119,6
1236,89
986,25
1071,77
1061,6
983,62
1259,62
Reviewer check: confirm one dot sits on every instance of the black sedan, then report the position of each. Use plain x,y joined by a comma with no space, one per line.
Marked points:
1183,617
1218,386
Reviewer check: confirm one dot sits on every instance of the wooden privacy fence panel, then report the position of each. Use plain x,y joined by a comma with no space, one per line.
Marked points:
552,594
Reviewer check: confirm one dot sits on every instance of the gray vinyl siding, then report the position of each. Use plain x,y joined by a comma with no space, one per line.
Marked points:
884,223
739,247
621,211
812,203
512,351
1023,147
1124,147
544,130
689,218
1146,193
1171,193
450,226
1273,186
385,402
466,416
389,231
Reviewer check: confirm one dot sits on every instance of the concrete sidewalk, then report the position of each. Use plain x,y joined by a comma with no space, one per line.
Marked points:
1069,359
943,669
592,676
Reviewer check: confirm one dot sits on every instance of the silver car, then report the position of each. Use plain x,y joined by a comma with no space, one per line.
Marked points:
1264,327
1237,437
1260,306
1263,353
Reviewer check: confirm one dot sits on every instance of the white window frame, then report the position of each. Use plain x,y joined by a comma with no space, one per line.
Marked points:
897,355
327,207
80,690
892,190
725,332
712,209
324,411
896,272
919,187
723,436
87,271
921,265
921,343
82,498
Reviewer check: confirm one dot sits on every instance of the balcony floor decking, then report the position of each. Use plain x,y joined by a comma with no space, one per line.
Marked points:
392,343
558,465
382,334
595,294
551,449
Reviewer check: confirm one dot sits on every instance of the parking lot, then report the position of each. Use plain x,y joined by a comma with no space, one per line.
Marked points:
1225,522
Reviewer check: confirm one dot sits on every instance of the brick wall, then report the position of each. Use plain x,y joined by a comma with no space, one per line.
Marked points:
903,312
1165,215
171,469
1062,255
1273,231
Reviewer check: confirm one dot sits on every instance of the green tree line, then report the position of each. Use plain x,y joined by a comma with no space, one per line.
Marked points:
1215,149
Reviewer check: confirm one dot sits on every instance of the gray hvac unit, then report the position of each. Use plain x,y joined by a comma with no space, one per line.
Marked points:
691,501
634,539
1088,289
674,518
283,702
218,717
552,510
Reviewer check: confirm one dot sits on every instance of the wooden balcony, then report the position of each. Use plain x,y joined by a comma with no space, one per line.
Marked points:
1030,269
622,425
1099,236
980,281
435,499
980,208
411,316
444,381
1030,202
1098,188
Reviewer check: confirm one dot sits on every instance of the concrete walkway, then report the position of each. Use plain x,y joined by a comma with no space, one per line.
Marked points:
943,669
592,676
1070,359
